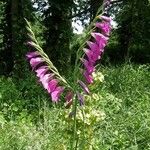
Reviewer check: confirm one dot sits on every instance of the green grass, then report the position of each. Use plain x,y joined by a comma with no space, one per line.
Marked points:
117,113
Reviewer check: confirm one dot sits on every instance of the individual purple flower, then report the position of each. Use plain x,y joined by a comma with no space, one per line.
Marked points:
80,98
105,18
84,87
46,79
69,96
30,55
56,93
88,77
69,99
52,84
41,71
35,61
100,39
105,27
94,47
88,65
92,55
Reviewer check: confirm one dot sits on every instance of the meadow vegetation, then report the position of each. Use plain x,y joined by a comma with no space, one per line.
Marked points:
116,113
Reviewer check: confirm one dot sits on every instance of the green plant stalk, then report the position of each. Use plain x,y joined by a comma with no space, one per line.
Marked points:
74,125
75,77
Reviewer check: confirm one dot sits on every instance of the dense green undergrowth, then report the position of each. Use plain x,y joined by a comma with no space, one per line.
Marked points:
117,113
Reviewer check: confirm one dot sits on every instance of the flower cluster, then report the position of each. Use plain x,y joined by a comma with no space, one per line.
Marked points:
45,75
48,74
94,49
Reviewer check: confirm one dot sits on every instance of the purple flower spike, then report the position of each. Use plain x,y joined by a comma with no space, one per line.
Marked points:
84,87
45,77
80,98
56,93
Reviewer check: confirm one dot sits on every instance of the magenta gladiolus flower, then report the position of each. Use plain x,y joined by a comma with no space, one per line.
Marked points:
105,18
88,77
46,79
50,78
84,87
93,46
52,85
35,61
80,98
41,71
88,65
101,40
30,55
69,96
91,55
69,99
105,27
56,93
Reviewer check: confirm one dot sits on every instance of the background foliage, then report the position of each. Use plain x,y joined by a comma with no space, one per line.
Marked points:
117,111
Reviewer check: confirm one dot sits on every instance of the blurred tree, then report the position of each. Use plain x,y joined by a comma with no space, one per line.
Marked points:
133,30
94,5
58,32
13,31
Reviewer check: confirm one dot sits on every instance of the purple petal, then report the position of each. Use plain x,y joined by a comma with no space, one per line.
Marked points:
35,61
88,77
93,46
30,55
56,94
84,87
101,40
105,27
45,80
52,85
89,67
41,71
92,55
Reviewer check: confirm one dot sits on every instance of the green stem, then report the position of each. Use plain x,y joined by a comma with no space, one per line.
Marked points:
75,77
74,125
